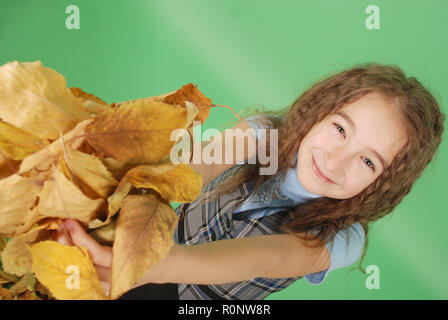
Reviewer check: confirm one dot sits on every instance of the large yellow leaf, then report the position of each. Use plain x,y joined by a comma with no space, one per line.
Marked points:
43,159
36,99
18,144
16,257
18,195
143,236
139,132
61,198
59,267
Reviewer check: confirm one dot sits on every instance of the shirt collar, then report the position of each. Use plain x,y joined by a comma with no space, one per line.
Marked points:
292,188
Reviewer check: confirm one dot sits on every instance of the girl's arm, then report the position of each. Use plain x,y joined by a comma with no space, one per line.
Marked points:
244,152
222,261
234,260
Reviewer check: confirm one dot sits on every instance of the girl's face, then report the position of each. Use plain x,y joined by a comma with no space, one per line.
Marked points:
351,148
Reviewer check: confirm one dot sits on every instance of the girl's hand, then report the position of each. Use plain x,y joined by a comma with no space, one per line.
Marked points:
71,233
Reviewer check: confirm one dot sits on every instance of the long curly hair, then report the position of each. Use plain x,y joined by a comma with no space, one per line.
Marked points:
425,125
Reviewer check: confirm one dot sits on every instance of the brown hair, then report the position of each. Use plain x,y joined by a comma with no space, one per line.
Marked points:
424,126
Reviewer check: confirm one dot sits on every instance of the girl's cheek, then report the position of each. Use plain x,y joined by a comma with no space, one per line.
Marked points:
356,182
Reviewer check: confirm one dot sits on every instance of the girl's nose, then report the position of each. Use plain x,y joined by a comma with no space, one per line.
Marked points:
336,161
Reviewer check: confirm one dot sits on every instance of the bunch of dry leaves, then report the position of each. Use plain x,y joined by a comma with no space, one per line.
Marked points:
68,154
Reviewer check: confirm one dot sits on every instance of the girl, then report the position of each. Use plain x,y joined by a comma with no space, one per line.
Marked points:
349,149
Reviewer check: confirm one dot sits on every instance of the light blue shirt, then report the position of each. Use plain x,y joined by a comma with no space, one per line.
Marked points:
276,194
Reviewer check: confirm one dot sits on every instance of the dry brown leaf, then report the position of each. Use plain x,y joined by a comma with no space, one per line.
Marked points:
114,203
36,99
3,241
43,159
36,219
94,104
27,282
18,144
138,132
104,235
116,167
179,183
8,166
85,96
18,196
143,236
61,198
90,170
7,277
146,99
4,294
29,295
190,92
30,219
16,258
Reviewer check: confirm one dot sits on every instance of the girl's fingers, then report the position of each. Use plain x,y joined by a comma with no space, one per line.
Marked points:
103,273
62,237
101,255
106,287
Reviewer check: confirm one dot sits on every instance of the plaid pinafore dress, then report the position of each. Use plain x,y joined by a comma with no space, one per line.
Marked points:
215,220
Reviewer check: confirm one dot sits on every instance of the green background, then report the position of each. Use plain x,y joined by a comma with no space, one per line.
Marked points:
247,53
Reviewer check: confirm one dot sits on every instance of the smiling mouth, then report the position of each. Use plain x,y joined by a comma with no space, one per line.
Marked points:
319,174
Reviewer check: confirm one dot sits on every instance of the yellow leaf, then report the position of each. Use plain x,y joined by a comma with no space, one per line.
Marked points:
36,99
61,198
138,132
4,294
177,183
105,234
180,183
8,166
18,144
7,277
94,104
114,203
27,282
143,236
42,160
116,167
67,271
190,92
18,195
90,170
16,257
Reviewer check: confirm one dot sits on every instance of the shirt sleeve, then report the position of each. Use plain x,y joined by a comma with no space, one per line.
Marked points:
341,256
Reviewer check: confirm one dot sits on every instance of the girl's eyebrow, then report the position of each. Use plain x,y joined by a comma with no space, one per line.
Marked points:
352,124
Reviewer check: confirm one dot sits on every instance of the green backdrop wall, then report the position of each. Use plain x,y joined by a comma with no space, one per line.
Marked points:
246,53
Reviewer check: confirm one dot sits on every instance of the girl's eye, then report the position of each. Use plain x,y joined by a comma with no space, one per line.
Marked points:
340,129
367,161
370,164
